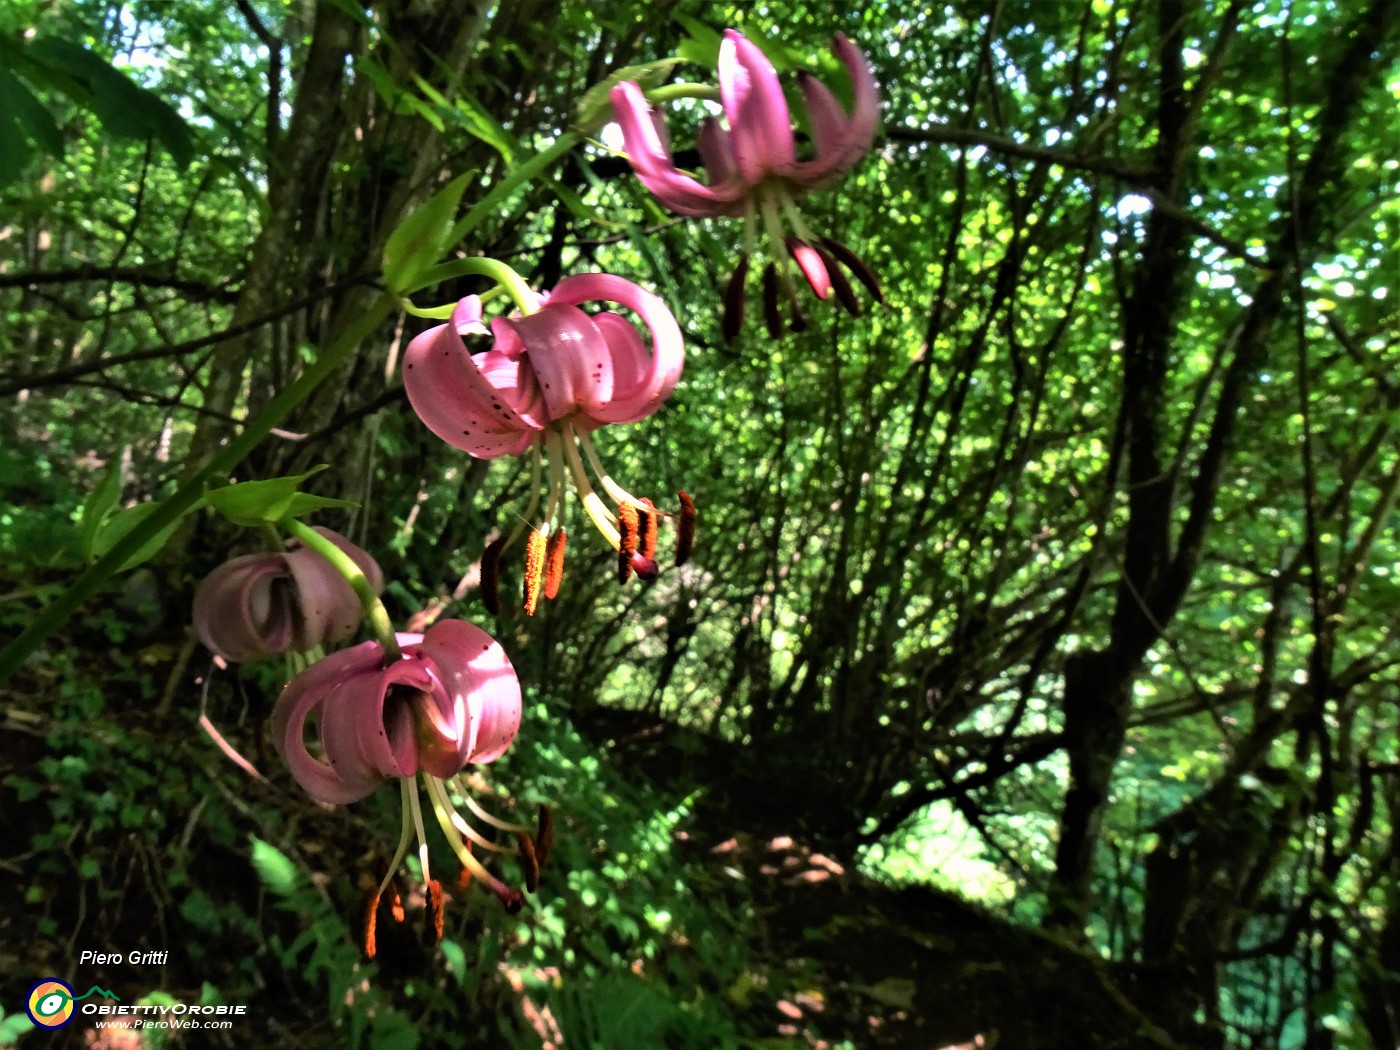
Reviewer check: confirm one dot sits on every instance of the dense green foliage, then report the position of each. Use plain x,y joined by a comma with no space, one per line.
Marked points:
1063,582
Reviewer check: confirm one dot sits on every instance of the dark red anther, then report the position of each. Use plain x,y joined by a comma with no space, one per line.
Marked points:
735,296
544,835
491,575
528,861
772,317
845,294
685,529
856,265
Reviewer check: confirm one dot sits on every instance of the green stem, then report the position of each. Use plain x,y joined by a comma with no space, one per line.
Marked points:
671,92
378,616
56,613
506,278
517,177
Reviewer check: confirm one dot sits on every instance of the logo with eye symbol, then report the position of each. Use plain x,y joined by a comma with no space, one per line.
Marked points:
50,1002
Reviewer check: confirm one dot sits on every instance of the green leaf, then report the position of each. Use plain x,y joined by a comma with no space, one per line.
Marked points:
304,503
19,102
256,502
485,127
115,529
13,1026
594,109
124,107
420,240
98,506
275,868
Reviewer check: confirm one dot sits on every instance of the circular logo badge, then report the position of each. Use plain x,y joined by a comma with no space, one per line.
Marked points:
50,1003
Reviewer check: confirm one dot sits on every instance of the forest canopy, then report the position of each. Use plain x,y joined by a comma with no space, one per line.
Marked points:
700,525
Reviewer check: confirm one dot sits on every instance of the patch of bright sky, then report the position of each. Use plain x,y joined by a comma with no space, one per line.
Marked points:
1131,206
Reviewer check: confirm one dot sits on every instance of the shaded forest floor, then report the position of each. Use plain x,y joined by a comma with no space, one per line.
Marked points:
126,830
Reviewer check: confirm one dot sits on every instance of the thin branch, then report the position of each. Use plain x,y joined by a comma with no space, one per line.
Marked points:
67,375
137,275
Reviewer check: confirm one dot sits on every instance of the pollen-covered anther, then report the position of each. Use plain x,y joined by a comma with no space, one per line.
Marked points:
685,529
554,563
534,570
436,900
528,861
650,522
491,575
628,531
369,909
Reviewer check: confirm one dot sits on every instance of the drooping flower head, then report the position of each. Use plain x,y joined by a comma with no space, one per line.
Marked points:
261,604
754,171
450,700
551,377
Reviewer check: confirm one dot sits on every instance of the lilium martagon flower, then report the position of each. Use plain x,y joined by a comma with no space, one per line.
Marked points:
295,601
552,376
448,699
754,172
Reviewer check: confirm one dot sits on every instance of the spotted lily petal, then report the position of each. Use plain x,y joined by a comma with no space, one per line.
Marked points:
640,383
452,391
329,611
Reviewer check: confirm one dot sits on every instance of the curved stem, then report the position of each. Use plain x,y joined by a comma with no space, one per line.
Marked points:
378,616
505,277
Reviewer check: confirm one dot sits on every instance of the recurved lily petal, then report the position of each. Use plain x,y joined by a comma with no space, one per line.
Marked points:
639,383
483,675
329,611
237,612
840,139
760,125
452,391
567,353
651,158
260,604
333,784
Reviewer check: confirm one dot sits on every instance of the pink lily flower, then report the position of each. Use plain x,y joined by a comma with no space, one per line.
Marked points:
551,377
451,699
261,604
754,171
